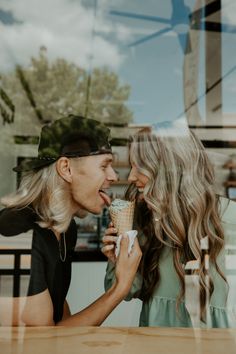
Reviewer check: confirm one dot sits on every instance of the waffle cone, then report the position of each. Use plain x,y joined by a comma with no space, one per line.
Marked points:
122,219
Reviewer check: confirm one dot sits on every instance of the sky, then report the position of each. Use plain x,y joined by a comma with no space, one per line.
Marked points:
91,36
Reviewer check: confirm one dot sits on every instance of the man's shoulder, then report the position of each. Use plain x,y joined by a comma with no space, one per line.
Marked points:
14,221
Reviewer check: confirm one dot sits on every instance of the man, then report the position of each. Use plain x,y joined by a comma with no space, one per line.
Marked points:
69,177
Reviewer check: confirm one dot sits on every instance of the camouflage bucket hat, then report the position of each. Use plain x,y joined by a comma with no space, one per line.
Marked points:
71,136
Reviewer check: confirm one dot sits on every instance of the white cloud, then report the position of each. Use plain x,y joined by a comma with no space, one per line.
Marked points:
64,27
178,127
229,11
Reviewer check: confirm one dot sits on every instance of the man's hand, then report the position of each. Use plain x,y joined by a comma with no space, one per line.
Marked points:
127,264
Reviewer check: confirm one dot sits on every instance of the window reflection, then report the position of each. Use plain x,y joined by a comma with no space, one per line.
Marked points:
130,64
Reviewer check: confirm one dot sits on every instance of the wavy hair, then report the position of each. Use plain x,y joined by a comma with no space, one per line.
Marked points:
182,206
47,193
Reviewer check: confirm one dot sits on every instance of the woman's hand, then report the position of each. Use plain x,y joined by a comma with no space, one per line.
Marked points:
109,243
127,264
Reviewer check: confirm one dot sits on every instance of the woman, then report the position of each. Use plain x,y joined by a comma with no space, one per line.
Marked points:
69,177
178,210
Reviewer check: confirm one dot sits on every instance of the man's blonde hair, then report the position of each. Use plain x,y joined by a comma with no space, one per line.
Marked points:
48,194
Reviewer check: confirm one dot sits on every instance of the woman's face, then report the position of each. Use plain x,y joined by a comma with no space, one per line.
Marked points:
137,178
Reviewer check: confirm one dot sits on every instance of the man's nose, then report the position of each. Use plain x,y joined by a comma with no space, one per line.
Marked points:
112,176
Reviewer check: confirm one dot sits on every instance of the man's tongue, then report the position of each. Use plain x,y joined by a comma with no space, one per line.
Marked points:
105,197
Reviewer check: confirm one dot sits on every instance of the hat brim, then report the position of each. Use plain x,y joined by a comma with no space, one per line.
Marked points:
32,164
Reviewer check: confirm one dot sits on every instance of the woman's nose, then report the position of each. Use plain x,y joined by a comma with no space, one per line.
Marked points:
132,176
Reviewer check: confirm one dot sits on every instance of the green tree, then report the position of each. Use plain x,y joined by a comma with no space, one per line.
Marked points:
48,90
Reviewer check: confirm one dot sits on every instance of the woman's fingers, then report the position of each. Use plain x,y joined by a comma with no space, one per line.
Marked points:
111,224
108,248
111,231
109,239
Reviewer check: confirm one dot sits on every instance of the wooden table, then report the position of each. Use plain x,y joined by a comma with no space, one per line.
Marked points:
104,340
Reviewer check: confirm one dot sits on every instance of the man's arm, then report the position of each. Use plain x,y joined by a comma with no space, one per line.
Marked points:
110,278
37,310
97,312
66,311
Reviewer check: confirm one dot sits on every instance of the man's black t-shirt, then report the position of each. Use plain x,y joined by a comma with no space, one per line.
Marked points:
49,270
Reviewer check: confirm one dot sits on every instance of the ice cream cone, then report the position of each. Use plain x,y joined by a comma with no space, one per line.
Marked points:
122,213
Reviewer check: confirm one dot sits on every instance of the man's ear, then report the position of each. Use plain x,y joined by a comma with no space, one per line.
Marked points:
63,169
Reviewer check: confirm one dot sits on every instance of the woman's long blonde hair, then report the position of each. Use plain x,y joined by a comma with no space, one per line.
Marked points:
47,193
182,205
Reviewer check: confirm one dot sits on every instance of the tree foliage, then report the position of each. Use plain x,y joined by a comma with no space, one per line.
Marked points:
47,90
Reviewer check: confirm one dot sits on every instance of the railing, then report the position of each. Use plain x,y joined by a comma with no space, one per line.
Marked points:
16,271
